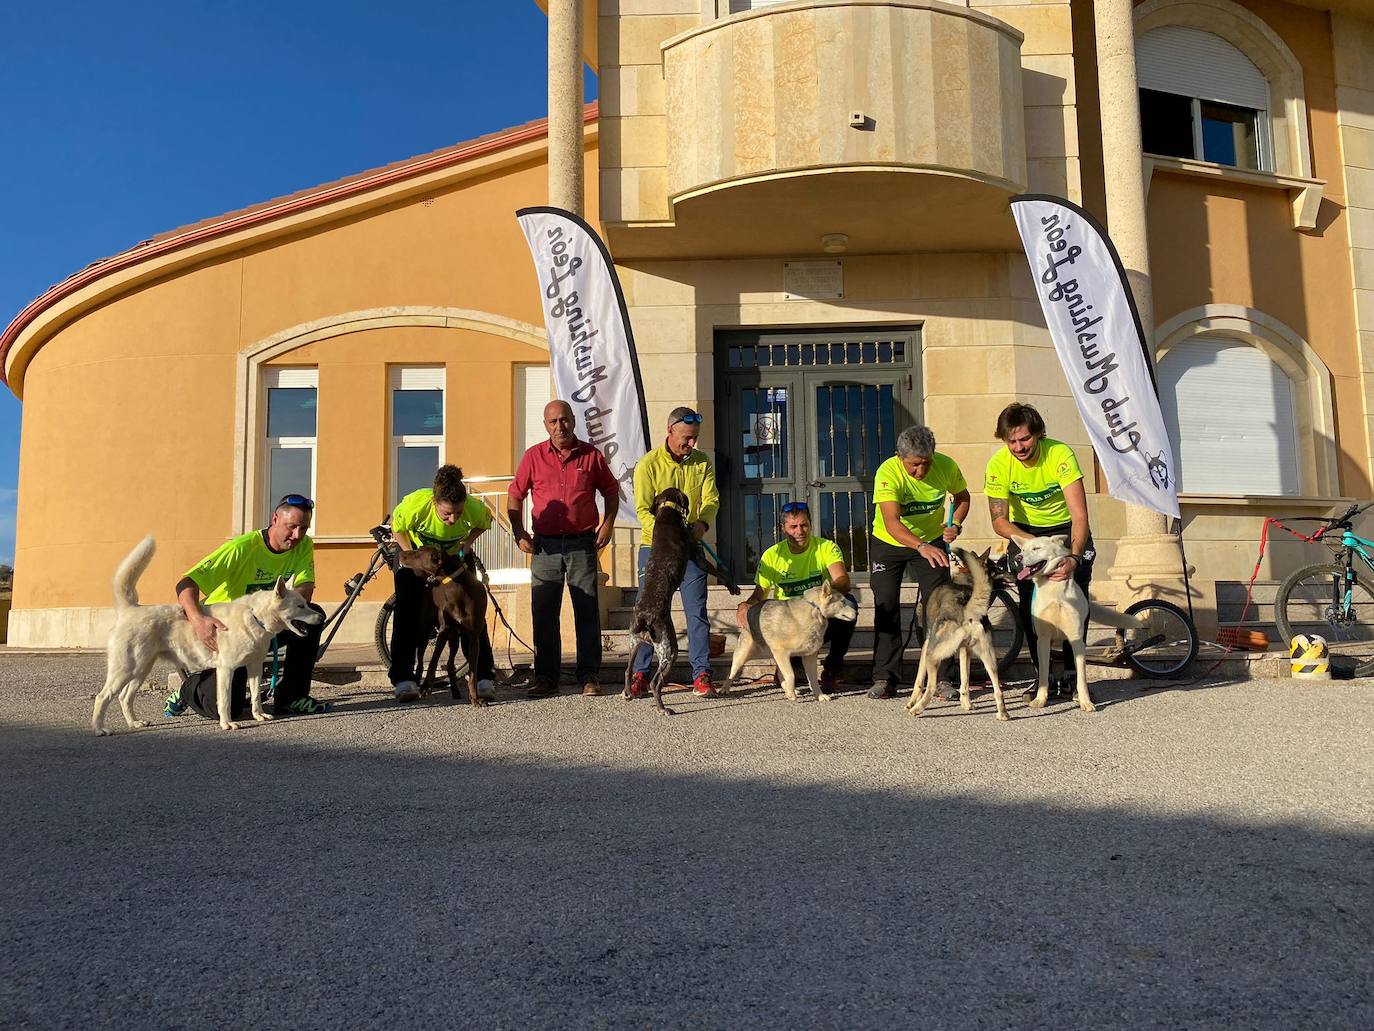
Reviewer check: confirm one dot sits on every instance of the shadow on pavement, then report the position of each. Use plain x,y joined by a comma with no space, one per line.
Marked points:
194,880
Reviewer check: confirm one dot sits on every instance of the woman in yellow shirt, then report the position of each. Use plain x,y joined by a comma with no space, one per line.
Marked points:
1035,489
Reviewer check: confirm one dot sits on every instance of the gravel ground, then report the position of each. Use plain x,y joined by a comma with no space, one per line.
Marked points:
1182,858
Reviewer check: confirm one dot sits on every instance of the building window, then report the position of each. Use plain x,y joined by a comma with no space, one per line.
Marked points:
291,397
1230,410
1201,98
417,428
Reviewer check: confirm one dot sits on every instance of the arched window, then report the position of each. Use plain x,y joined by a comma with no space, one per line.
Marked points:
1201,98
1231,412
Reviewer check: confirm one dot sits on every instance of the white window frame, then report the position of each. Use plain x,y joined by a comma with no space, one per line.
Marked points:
287,377
412,377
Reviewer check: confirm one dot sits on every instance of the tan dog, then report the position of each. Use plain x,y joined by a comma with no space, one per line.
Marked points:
144,634
1060,611
790,627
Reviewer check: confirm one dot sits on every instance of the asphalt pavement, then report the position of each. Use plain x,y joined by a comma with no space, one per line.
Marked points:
1195,857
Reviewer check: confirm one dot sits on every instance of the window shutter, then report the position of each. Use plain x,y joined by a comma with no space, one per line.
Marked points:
1229,410
1177,59
427,377
274,376
740,6
536,390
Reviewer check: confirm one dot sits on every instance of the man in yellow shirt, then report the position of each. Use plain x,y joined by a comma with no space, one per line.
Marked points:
1035,489
792,567
679,464
252,562
910,538
447,518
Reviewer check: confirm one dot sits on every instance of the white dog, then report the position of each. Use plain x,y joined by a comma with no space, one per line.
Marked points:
1060,611
788,627
144,634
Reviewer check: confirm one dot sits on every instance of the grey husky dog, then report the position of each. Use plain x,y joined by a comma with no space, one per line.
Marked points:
790,627
144,634
956,621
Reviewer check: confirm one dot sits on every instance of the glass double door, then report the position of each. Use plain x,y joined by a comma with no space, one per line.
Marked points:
808,417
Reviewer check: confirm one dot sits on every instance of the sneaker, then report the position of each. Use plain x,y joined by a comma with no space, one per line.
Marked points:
486,689
591,688
544,687
639,686
946,691
702,686
407,691
830,683
307,706
174,706
882,689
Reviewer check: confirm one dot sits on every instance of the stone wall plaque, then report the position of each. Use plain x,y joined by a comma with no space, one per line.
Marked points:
812,280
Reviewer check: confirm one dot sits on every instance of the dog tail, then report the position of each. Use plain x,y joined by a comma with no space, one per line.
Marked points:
1111,617
127,575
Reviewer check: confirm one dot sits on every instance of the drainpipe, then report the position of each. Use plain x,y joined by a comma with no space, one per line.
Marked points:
565,105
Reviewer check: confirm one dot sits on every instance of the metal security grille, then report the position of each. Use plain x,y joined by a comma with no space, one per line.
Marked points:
808,416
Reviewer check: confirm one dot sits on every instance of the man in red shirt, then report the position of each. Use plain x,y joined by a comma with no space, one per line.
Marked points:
565,475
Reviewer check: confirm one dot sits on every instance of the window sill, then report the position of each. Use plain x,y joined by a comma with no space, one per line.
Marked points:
1269,501
1305,195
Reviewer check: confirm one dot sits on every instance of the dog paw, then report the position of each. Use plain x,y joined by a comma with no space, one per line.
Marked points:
667,711
102,733
1002,717
262,717
228,726
138,724
1037,703
1087,706
966,704
824,697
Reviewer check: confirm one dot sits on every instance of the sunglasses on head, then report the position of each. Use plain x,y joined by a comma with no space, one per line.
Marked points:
297,501
691,419
795,506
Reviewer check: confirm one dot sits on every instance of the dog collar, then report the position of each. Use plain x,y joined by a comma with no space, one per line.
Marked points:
816,607
261,625
674,505
446,580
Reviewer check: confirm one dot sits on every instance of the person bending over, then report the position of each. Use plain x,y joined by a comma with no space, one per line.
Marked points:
910,539
446,517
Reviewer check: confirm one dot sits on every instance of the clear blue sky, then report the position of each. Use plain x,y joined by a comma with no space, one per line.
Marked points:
121,120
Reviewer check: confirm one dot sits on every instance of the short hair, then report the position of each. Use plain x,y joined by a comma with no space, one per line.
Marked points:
1018,414
916,442
448,486
680,413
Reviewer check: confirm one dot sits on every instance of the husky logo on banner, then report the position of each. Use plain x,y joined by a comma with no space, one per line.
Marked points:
1096,330
591,348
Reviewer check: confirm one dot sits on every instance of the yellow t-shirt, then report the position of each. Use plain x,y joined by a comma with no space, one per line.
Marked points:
1035,492
245,564
416,518
789,573
658,470
922,501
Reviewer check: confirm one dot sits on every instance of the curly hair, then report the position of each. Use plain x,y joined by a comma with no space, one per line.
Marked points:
448,486
916,442
1017,415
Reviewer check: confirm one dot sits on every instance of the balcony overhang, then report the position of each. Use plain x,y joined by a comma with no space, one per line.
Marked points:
898,123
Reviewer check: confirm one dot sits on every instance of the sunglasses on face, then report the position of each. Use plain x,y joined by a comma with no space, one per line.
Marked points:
297,501
795,506
691,419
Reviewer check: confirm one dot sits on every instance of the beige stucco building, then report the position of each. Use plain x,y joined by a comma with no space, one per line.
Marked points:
807,205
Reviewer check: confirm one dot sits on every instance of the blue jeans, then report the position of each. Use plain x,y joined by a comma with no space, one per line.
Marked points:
693,594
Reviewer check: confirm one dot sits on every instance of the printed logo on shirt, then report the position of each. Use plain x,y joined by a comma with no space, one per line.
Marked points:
1063,468
796,588
913,508
1039,497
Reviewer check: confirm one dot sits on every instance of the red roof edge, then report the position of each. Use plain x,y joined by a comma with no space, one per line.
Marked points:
271,210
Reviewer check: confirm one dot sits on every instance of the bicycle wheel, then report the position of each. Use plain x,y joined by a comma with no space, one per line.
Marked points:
382,638
1167,643
1312,601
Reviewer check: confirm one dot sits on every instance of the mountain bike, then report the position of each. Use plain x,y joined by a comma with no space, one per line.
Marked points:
1333,599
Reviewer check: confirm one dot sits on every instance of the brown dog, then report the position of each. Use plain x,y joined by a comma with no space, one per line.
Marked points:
652,624
459,612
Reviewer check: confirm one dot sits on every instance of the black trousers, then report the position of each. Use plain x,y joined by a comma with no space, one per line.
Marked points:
1025,589
296,658
570,560
888,565
408,638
